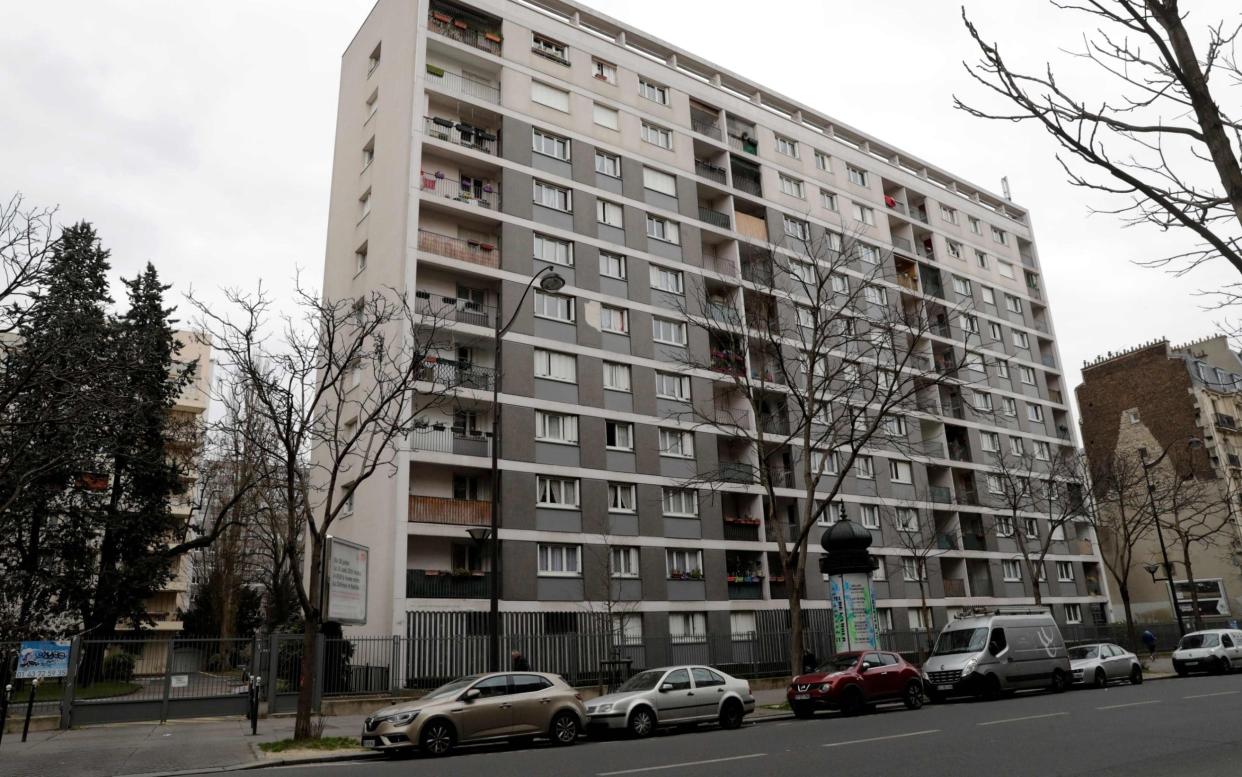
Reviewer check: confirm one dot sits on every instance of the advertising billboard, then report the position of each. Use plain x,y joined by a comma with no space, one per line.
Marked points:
348,567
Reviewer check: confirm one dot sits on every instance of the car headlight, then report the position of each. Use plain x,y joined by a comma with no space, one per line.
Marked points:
970,666
603,708
826,687
402,718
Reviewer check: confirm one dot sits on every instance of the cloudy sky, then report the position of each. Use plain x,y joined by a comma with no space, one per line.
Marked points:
199,136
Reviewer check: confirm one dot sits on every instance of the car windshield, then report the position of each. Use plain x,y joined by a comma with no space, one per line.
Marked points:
839,663
1192,641
643,681
960,641
448,689
1086,651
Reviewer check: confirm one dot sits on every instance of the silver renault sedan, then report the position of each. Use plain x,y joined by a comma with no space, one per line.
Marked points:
1104,663
672,695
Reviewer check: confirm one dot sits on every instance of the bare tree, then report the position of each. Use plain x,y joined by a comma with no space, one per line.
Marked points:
25,243
1192,511
336,390
1161,142
824,356
920,540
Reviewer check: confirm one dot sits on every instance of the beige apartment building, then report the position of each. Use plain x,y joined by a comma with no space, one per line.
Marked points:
478,143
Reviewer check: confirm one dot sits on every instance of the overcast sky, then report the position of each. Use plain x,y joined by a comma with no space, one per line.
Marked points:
199,136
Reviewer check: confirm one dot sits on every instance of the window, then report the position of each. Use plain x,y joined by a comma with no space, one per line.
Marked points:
604,71
556,427
1043,451
828,200
1002,368
840,284
368,153
865,468
554,306
611,265
857,177
1006,269
681,501
1009,406
608,164
1004,526
609,213
867,253
975,226
955,248
619,435
685,627
623,562
791,186
556,366
1011,570
605,116
670,386
1016,446
549,96
617,376
948,214
999,236
684,563
961,286
669,332
989,441
1073,613
661,182
869,516
995,485
653,91
615,320
1013,304
550,49
995,331
557,492
560,560
913,569
875,294
970,324
797,228
880,573
1065,571
663,229
665,279
983,401
907,519
981,259
822,162
786,146
364,204
360,258
1027,374
1031,527
550,196
554,250
825,463
621,497
677,443
657,136
1035,413
972,361
899,471
549,145
864,214
988,295
374,60
894,425
883,618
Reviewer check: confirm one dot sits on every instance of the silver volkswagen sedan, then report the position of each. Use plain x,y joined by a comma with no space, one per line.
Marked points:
672,695
1104,663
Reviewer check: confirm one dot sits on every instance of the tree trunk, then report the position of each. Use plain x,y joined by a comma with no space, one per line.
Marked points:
793,593
310,629
1039,595
1131,631
923,619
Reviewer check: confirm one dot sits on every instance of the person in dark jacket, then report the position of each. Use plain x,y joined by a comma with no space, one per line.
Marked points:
1149,640
519,662
809,664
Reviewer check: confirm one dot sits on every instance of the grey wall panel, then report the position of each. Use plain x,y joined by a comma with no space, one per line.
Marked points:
559,589
660,201
686,590
517,194
614,342
613,286
517,429
515,141
619,461
557,454
548,519
556,391
667,250
591,435
551,165
612,234
552,217
519,562
623,523
555,330
683,528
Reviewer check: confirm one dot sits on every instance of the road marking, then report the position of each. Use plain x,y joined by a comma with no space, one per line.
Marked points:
1205,695
1131,704
878,739
684,763
1025,717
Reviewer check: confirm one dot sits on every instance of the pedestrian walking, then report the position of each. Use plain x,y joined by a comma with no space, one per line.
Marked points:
1149,640
518,662
809,663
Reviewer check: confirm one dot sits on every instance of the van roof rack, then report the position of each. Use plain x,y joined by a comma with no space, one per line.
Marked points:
974,612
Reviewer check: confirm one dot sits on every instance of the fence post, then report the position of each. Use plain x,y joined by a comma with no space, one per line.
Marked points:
71,681
320,664
168,671
273,671
394,665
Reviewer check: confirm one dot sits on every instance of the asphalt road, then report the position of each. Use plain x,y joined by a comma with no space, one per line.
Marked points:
1190,726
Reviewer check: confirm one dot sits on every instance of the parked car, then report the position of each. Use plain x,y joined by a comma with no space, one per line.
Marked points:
986,654
1211,650
850,681
1104,663
507,705
672,695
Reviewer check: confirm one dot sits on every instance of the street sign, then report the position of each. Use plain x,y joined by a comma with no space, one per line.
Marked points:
42,659
348,565
180,681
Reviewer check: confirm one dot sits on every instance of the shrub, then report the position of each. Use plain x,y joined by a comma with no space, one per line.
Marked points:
119,666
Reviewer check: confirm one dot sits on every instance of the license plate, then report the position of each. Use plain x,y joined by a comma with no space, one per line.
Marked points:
802,696
370,741
944,687
1190,663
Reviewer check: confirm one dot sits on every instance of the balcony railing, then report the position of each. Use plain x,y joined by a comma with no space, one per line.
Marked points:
457,512
443,584
705,125
461,31
758,271
1234,460
931,448
453,374
714,217
781,478
741,529
485,254
461,134
463,311
746,590
972,541
959,452
902,244
954,588
941,494
722,313
453,84
747,183
946,541
442,439
1048,361
738,472
484,196
710,171
745,143
966,496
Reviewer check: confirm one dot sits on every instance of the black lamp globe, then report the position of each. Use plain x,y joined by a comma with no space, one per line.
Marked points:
845,547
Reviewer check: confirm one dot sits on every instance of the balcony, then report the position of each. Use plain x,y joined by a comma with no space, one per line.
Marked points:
954,589
714,217
728,362
902,244
745,587
453,374
705,124
940,495
484,254
747,182
967,496
743,142
1048,361
1226,422
1234,460
1093,587
738,472
741,529
946,541
933,449
469,191
461,134
455,85
780,478
710,171
973,541
756,266
442,584
959,452
462,311
445,510
444,439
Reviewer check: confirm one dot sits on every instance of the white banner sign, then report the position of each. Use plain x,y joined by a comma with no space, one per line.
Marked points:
347,582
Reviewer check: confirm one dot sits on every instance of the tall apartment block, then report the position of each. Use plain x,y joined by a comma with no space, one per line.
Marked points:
1158,397
479,143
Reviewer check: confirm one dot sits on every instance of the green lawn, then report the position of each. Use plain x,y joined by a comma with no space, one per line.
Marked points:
323,743
100,690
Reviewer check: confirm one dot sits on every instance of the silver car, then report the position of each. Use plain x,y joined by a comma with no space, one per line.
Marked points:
1104,663
672,695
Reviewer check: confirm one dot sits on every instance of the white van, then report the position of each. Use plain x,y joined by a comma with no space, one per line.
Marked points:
985,653
1211,650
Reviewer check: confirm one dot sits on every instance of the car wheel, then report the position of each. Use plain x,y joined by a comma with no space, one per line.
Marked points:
1101,679
1222,666
1058,682
437,738
1136,675
564,729
641,723
853,703
731,714
1181,670
913,698
802,710
991,688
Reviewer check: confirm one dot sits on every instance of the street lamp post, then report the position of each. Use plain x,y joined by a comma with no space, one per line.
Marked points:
548,280
1191,442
